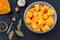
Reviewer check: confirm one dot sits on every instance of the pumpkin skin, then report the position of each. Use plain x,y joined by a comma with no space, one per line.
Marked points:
4,7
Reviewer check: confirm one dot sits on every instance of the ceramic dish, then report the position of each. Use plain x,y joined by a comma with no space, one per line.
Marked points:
43,3
2,22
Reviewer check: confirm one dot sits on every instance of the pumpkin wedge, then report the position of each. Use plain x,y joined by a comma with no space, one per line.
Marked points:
4,7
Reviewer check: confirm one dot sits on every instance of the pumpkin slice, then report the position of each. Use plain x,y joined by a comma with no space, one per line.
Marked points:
4,7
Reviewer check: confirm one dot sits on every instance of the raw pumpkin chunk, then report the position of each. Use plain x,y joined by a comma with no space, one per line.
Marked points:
50,11
30,25
40,13
32,10
45,6
37,7
37,30
50,21
45,28
43,9
40,26
40,17
35,13
29,14
28,20
41,21
34,25
40,7
35,19
45,16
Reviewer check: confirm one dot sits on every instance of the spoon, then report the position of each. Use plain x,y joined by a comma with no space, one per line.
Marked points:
13,20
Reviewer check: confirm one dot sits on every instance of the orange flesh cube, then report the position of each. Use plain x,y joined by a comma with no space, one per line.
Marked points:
37,29
32,10
29,14
45,28
50,21
45,16
50,11
37,7
28,20
34,25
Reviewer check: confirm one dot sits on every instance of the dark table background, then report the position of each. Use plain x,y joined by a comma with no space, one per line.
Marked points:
28,35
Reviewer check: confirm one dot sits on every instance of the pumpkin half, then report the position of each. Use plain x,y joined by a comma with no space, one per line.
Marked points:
4,7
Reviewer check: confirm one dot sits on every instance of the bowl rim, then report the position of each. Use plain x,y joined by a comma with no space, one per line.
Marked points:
40,2
6,26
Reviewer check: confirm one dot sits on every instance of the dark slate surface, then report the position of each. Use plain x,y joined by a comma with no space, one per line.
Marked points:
28,35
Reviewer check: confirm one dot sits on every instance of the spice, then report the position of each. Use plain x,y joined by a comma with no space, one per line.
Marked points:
2,26
19,33
19,24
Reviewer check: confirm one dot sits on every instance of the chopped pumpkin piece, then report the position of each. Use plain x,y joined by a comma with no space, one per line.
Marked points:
43,9
35,13
37,7
50,21
29,14
40,13
40,7
37,30
50,11
45,6
45,16
32,10
41,21
30,25
28,20
34,25
45,28
35,19
40,26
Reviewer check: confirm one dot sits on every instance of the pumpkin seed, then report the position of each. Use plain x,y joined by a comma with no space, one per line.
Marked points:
10,35
19,33
19,24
